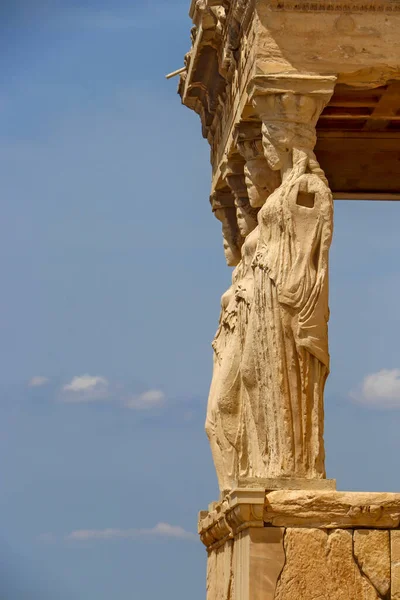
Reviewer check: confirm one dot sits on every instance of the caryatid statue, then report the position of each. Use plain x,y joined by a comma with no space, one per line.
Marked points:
227,422
222,444
229,425
285,361
268,385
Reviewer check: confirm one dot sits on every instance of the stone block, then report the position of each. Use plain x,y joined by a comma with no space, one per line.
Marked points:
372,552
320,565
395,566
332,510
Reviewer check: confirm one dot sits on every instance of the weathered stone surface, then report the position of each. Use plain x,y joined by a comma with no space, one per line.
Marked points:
395,566
248,567
240,510
332,510
272,340
288,483
320,566
259,560
324,555
220,577
372,552
356,40
335,38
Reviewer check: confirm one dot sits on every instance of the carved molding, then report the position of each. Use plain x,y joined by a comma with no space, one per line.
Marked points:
296,83
244,516
214,57
339,6
241,509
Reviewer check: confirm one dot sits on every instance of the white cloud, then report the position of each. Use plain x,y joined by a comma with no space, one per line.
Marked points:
160,530
38,381
86,388
146,401
84,383
380,389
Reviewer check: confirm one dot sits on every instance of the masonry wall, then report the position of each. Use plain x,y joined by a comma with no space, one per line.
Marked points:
276,563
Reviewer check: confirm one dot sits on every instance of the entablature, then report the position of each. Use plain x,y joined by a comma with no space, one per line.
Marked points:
241,44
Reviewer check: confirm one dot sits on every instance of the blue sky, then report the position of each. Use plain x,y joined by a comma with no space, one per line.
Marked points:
112,268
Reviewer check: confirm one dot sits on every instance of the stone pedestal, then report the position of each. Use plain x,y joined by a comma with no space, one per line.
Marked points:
302,545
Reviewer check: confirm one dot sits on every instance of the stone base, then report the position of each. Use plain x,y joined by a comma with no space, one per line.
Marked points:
303,545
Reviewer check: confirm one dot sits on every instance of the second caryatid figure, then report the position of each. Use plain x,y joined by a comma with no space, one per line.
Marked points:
265,411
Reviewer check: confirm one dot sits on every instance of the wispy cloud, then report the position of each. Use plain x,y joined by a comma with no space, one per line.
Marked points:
38,381
92,388
86,388
380,390
147,400
160,530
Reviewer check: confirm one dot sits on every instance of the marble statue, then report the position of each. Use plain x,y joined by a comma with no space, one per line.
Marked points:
225,422
285,360
266,417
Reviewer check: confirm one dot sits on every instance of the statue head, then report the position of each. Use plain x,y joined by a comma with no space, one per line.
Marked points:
233,173
277,144
261,180
280,139
246,217
231,235
289,120
223,207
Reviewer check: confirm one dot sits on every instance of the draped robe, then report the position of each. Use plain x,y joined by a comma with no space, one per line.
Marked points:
229,424
285,360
